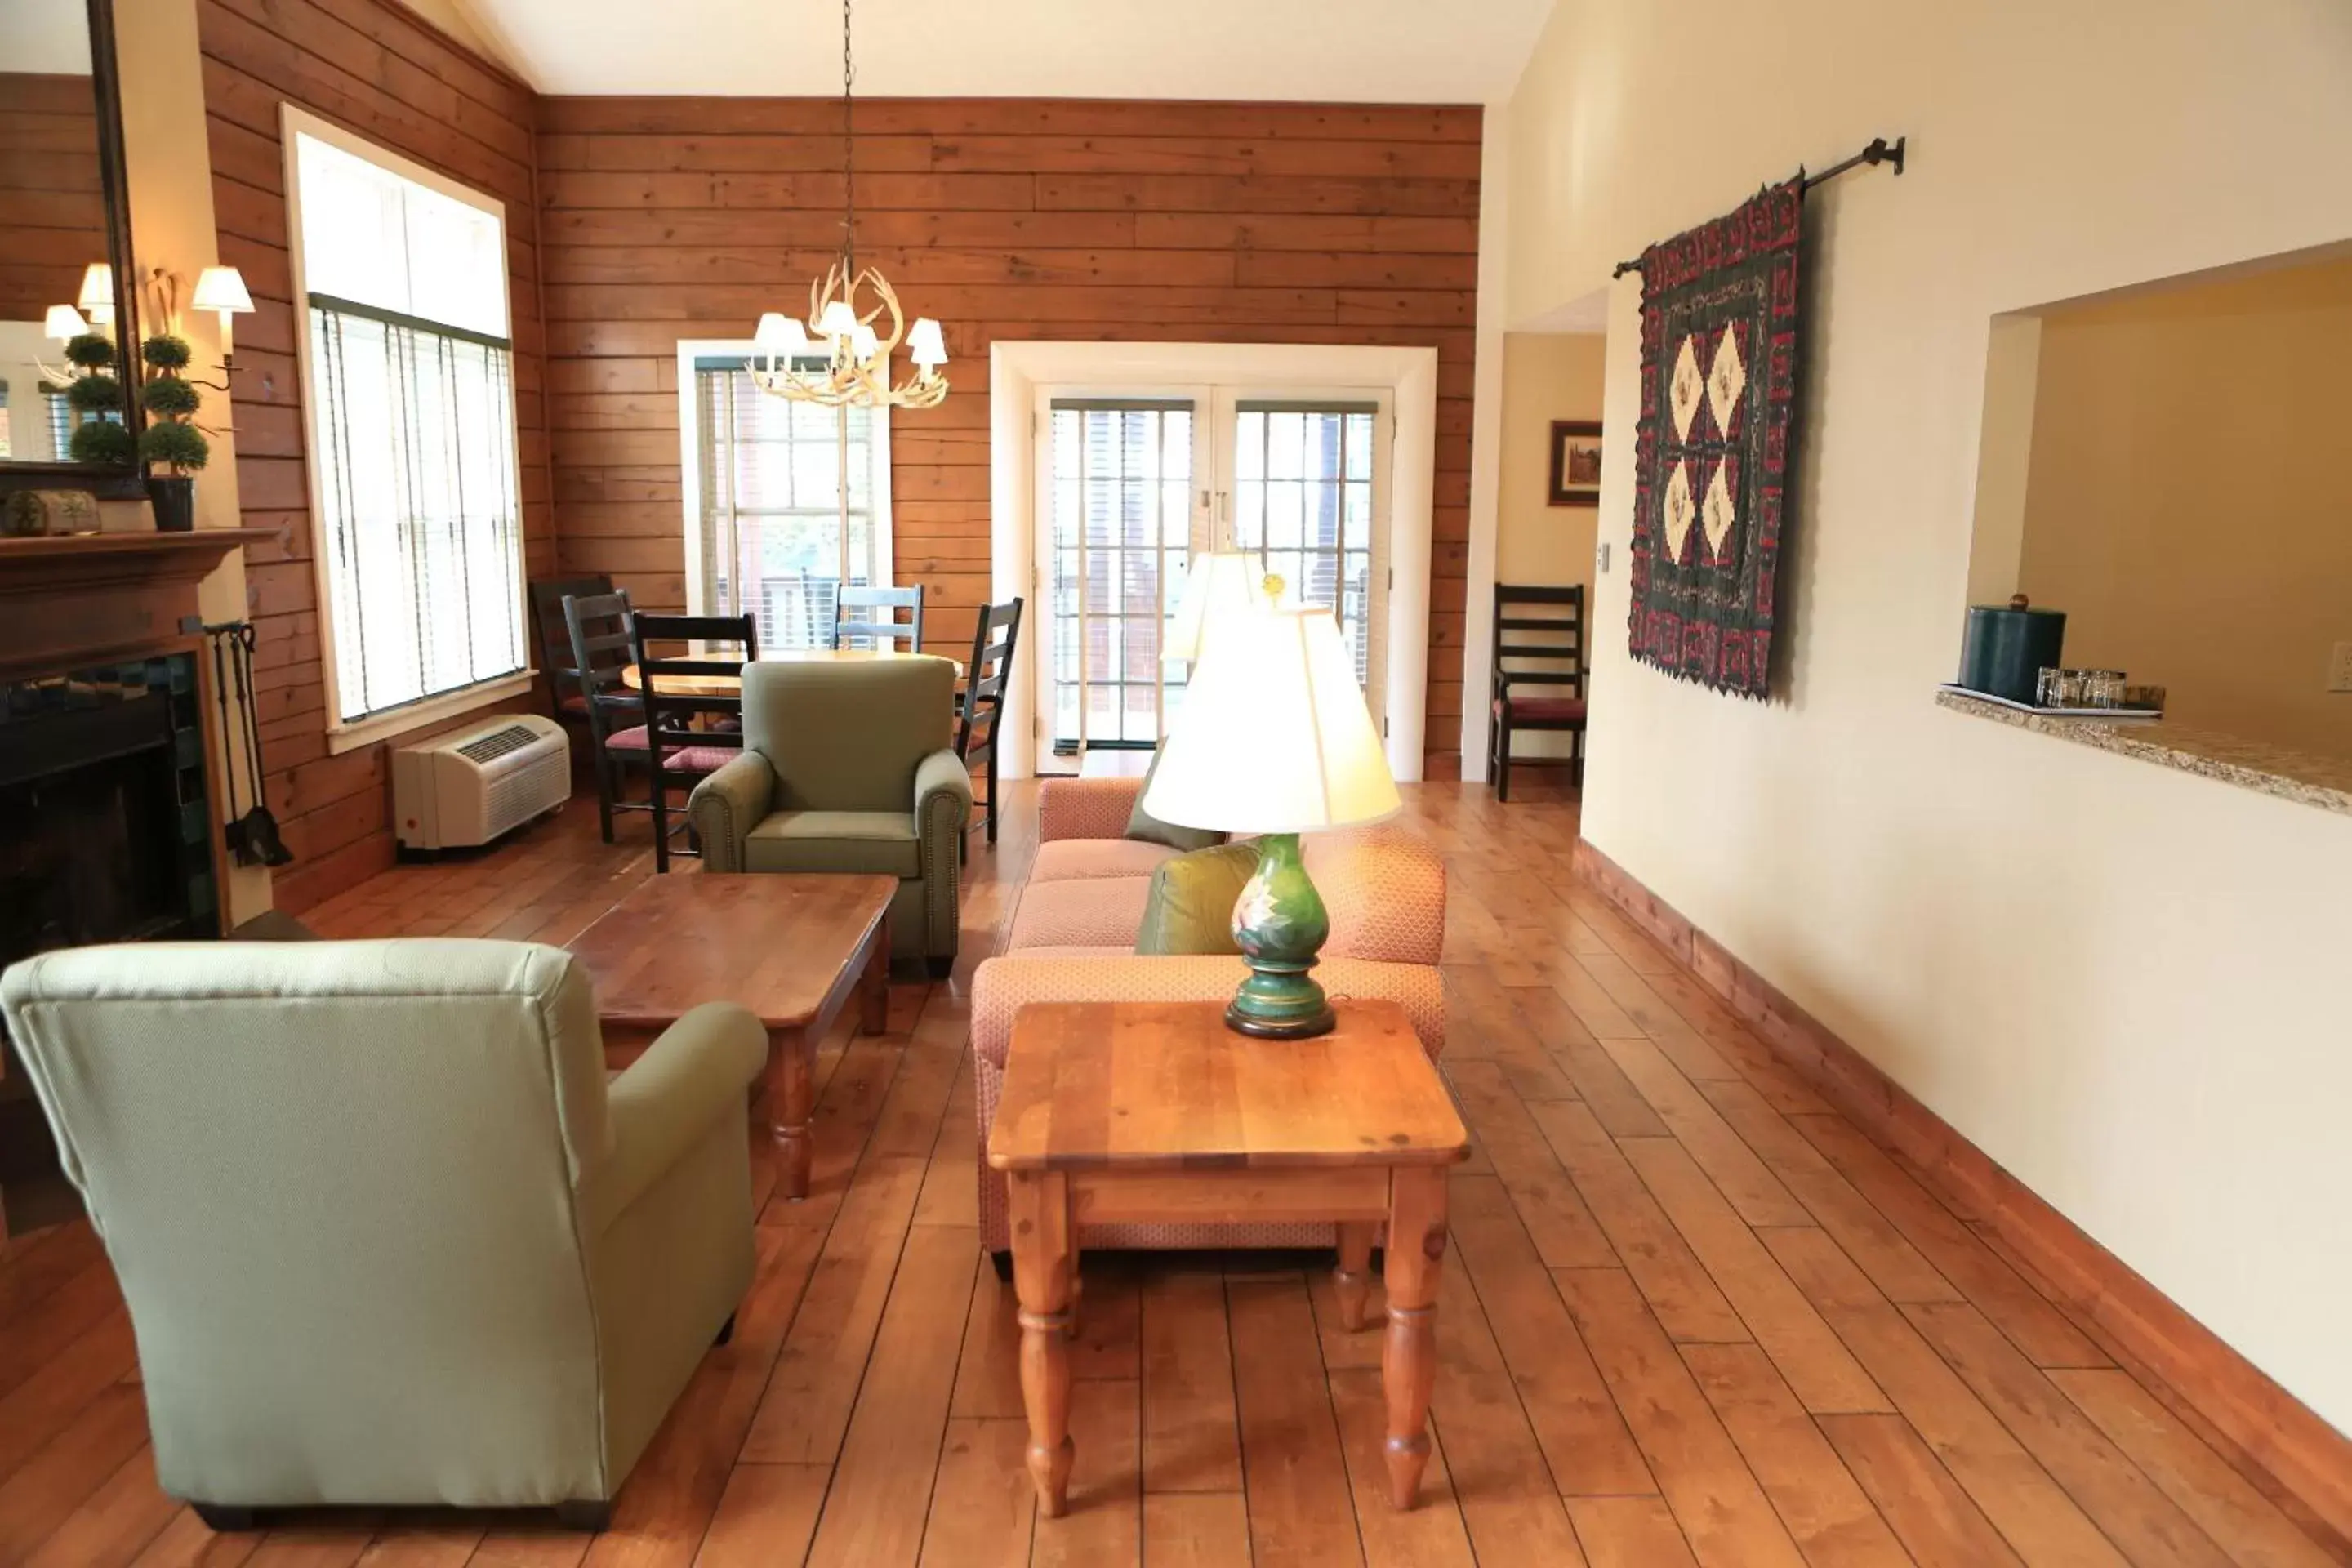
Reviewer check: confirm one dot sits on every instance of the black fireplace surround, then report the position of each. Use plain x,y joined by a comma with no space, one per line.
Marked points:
105,832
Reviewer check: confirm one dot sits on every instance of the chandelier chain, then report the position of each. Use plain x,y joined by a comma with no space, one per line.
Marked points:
848,148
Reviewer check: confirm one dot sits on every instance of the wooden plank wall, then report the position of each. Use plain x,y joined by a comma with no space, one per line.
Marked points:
373,68
52,208
669,219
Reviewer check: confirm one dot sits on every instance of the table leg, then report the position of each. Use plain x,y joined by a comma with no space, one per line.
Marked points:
791,1076
874,1016
1351,1280
1043,1263
1409,1358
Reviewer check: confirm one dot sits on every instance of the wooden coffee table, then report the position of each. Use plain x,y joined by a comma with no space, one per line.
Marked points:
792,948
1156,1113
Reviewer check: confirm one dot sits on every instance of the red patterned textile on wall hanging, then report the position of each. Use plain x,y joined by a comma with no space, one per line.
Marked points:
1719,349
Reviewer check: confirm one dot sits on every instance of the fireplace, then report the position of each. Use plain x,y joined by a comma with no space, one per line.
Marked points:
109,830
105,828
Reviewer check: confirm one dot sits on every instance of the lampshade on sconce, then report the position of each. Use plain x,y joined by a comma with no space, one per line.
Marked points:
64,323
1274,740
97,301
221,290
1222,583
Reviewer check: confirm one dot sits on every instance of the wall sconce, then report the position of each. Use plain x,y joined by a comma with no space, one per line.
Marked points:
97,300
220,290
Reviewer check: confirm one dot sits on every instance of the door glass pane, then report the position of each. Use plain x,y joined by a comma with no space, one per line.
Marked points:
1303,504
772,542
1120,542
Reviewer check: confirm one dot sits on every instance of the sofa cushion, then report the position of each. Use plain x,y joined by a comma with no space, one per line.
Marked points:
1190,907
1094,911
1072,859
875,841
1142,825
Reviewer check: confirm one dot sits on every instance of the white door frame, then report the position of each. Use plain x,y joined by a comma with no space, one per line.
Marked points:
1409,376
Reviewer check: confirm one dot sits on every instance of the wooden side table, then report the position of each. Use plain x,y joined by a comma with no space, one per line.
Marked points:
1157,1113
792,948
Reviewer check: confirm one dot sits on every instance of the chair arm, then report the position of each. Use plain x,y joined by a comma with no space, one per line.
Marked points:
942,805
690,1080
726,806
1086,808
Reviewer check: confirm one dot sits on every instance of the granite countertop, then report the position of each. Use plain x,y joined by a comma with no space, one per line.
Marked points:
2323,782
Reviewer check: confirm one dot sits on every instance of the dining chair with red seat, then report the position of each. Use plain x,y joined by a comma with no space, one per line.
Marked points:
690,731
1539,673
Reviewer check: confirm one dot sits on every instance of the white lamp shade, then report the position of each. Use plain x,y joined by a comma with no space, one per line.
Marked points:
862,343
96,287
837,320
221,288
64,323
925,345
781,334
1276,737
1222,583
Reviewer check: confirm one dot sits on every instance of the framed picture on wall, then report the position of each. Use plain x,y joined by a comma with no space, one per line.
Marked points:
1575,462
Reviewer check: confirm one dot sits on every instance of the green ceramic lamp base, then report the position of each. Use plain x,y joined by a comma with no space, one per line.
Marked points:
1279,923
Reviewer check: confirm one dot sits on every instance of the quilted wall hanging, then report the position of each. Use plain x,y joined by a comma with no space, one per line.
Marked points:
1719,364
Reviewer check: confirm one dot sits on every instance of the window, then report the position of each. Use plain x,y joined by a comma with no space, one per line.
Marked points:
1303,504
408,376
786,501
1121,544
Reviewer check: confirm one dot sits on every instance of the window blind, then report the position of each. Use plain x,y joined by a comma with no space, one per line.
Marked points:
788,505
1303,505
413,444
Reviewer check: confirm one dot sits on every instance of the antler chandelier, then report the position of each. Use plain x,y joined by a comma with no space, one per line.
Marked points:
841,330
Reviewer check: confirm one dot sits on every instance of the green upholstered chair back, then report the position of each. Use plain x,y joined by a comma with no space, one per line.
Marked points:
847,735
340,1185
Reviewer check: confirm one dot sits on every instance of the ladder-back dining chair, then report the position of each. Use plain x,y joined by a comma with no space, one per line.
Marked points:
982,702
566,698
694,704
599,629
868,618
1539,673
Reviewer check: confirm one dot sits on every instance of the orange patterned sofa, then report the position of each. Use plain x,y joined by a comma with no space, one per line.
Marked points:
1070,937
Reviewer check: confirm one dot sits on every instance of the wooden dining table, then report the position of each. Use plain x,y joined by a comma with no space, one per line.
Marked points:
728,685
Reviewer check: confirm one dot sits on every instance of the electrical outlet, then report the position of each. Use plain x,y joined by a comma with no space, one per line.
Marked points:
2339,669
1604,556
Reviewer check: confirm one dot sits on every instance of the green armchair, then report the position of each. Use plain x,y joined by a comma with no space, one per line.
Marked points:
386,1235
848,765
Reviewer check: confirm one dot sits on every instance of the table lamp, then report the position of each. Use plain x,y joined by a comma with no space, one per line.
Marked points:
1276,740
1222,583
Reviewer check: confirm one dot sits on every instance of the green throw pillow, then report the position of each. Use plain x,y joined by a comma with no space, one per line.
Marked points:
1141,825
1191,909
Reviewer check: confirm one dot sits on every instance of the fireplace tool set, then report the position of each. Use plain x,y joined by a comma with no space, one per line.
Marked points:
252,834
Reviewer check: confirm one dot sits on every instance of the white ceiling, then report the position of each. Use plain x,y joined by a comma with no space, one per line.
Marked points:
1349,51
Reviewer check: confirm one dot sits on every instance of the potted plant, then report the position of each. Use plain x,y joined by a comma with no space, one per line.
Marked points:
97,397
171,438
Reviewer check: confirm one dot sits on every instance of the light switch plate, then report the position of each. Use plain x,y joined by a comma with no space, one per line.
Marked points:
1604,566
2339,669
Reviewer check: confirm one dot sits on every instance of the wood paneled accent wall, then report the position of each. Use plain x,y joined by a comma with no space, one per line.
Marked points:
671,218
52,203
373,68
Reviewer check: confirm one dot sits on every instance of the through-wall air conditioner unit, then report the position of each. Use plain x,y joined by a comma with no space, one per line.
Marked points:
468,787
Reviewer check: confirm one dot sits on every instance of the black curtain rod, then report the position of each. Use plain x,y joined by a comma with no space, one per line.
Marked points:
1879,150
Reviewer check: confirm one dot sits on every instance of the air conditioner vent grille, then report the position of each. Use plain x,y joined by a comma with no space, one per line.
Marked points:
498,743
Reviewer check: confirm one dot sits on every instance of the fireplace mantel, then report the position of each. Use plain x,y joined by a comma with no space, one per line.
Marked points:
76,600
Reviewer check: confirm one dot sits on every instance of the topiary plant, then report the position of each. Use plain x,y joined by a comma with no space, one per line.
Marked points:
100,441
171,401
96,392
89,352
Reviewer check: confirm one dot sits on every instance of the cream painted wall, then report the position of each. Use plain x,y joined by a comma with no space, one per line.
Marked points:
2183,508
166,153
1546,376
2123,982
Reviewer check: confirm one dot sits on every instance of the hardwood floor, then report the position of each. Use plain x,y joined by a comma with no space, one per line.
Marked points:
1691,1316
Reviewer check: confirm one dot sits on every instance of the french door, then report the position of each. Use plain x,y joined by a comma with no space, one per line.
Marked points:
1138,483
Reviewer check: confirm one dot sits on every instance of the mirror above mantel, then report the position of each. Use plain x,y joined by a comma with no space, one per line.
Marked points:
64,249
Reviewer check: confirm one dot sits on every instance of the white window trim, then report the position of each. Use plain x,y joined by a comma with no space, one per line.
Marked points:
689,463
350,736
1017,370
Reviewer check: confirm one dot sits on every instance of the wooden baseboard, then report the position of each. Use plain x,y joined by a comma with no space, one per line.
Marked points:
2308,1458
